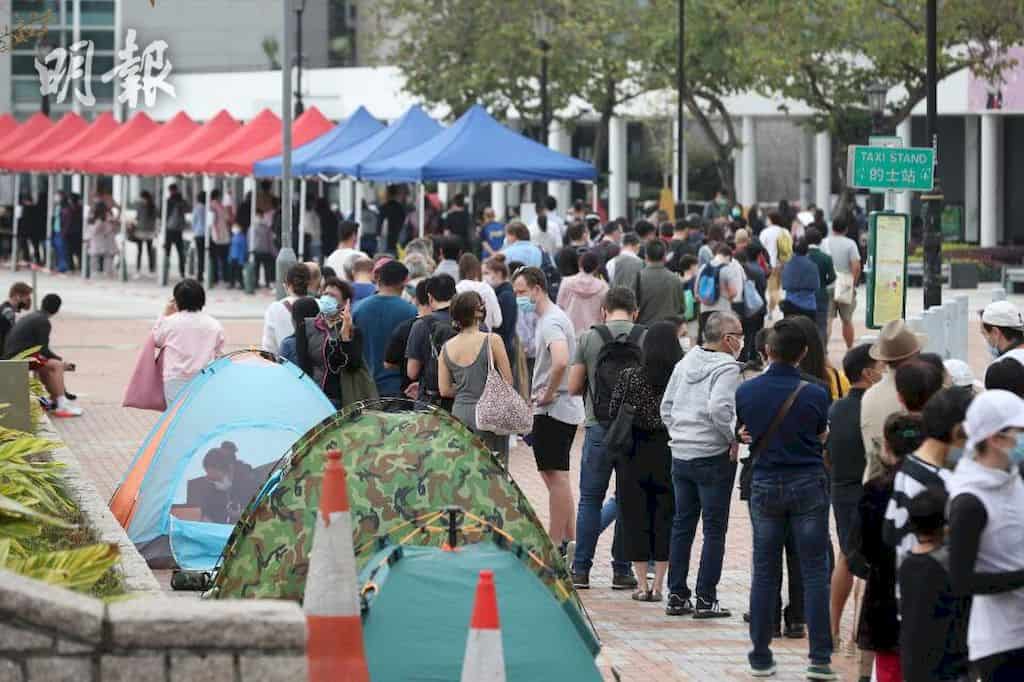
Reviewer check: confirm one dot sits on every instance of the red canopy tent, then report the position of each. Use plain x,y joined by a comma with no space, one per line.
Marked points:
169,160
306,128
119,161
258,130
7,126
52,160
14,158
138,127
36,125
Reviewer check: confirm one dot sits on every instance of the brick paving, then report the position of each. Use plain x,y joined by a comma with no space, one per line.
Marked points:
639,641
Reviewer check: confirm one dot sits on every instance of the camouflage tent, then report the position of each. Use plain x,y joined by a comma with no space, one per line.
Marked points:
406,468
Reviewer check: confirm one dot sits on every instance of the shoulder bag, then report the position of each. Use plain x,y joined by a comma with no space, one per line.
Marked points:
747,475
500,409
145,389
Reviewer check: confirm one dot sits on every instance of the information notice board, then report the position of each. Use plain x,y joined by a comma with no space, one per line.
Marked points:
887,280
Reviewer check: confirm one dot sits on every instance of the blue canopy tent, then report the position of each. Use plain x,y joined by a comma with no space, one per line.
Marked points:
411,129
476,148
353,130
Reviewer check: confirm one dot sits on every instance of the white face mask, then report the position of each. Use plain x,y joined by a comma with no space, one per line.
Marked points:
684,343
222,485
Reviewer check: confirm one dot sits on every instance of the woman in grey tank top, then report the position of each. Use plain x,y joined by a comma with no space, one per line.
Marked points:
462,371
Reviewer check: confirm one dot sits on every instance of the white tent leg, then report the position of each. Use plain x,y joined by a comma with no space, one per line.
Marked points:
208,242
421,209
17,219
302,220
49,220
86,271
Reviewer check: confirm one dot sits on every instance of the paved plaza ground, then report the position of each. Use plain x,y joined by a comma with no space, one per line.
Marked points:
103,324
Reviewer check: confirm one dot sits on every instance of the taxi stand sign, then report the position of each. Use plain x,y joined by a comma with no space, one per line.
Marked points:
886,168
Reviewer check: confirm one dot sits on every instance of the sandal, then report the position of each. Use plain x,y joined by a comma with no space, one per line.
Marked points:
642,595
654,596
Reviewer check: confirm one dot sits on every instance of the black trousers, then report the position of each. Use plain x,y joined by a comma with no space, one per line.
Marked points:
266,261
147,246
219,256
174,238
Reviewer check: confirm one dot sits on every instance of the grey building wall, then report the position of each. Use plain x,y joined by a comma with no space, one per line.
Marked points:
224,35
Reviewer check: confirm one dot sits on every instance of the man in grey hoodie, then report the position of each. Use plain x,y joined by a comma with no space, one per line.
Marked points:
699,410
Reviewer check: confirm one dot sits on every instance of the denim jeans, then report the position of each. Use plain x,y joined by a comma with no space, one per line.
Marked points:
594,514
703,489
779,505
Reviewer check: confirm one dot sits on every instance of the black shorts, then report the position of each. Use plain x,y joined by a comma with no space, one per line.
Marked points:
552,441
846,514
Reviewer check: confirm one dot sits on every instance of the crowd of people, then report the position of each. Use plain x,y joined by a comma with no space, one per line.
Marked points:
694,355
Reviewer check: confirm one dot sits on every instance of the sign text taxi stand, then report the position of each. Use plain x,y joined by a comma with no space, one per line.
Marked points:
889,169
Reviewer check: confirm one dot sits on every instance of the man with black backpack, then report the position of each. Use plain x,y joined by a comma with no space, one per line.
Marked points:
604,351
427,336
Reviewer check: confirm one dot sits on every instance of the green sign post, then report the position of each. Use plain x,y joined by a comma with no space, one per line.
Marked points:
887,259
891,168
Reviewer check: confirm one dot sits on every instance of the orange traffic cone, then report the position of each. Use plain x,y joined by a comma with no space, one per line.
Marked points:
485,660
334,648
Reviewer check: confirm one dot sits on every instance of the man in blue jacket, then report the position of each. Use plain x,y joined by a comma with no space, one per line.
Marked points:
801,280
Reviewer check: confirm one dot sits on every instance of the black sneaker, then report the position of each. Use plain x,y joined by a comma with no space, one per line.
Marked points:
581,581
677,606
624,582
795,631
746,617
710,609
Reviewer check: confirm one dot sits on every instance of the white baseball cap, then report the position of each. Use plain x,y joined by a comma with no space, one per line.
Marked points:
960,372
1002,314
990,413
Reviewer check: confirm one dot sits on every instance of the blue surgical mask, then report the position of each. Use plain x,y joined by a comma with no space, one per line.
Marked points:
994,350
1017,453
328,305
953,456
525,304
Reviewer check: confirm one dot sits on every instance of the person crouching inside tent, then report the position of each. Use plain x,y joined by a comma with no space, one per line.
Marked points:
330,348
228,486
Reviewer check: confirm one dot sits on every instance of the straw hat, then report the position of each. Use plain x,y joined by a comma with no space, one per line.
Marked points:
896,342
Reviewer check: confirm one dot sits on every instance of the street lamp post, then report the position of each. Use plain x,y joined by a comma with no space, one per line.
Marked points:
876,93
680,109
933,200
542,26
286,256
300,7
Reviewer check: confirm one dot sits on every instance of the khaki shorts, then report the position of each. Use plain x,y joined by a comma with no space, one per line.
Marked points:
844,310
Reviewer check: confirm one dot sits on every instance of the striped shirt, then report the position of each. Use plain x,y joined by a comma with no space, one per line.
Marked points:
914,476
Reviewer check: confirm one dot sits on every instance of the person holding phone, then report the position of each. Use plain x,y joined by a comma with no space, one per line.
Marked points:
190,338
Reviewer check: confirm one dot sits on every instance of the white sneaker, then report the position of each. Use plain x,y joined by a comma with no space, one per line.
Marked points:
67,411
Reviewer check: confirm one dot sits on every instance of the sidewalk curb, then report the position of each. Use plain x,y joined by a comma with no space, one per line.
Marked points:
137,576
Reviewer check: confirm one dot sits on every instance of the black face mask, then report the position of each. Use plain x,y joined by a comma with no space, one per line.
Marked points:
22,305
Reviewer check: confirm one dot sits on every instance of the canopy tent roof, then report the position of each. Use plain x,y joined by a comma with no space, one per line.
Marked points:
258,130
353,130
306,128
136,128
52,159
476,148
36,125
117,161
170,160
8,125
411,129
68,126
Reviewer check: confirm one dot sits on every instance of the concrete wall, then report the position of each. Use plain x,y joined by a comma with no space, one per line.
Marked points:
225,35
5,63
48,634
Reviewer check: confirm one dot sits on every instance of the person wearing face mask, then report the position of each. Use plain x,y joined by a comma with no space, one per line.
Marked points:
229,485
1002,327
986,535
330,348
19,298
845,452
699,411
786,419
496,275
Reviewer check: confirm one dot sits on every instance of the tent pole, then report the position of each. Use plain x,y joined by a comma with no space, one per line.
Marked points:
302,220
162,252
357,212
421,210
50,180
125,200
207,243
17,219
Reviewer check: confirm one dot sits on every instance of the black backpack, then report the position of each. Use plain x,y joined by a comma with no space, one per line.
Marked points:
438,334
618,354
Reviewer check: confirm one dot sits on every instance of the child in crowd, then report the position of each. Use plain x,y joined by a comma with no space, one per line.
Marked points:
238,252
933,620
871,559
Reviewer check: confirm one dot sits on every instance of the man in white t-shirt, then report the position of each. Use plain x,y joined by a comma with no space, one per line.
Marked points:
770,240
846,259
277,321
346,254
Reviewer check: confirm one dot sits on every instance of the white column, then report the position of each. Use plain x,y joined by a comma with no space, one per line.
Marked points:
903,198
748,193
442,194
345,199
972,171
805,163
823,172
301,246
208,241
498,200
50,181
991,172
618,172
560,140
357,214
737,170
17,219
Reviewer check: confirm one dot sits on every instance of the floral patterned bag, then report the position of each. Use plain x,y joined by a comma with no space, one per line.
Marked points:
501,409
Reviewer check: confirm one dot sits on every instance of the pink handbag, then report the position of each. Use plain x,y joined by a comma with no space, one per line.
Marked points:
145,389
